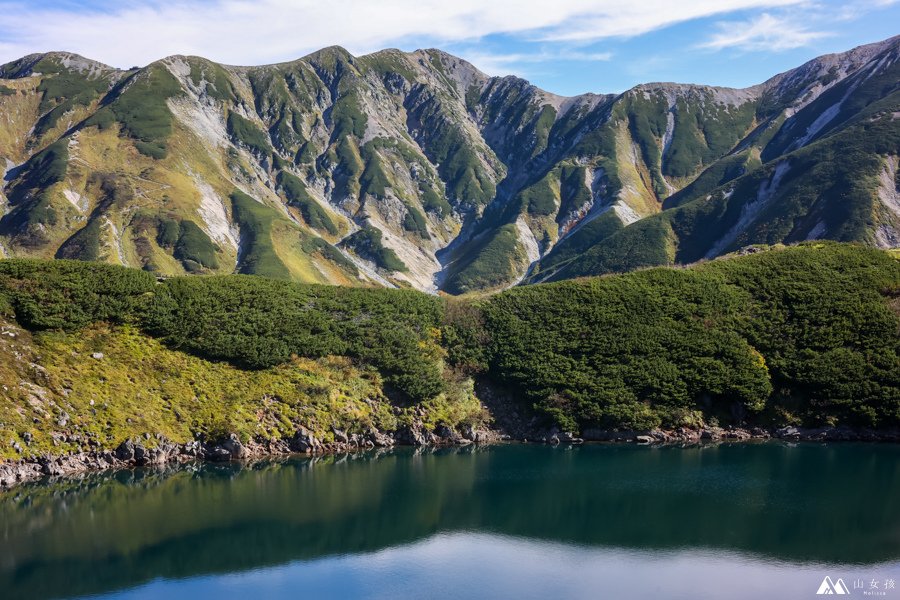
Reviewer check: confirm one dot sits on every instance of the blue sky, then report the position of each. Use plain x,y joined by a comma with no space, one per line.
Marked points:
565,46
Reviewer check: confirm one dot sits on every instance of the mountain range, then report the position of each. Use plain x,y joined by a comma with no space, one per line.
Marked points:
416,169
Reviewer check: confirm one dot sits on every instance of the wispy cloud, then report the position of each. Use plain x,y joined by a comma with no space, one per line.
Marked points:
255,31
765,32
518,63
617,18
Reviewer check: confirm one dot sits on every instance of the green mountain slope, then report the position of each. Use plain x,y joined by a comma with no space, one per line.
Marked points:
417,170
824,170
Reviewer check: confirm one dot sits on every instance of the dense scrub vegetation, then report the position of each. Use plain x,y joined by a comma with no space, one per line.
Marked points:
250,321
297,195
367,243
490,264
32,210
245,132
799,335
140,106
240,354
258,256
831,182
188,243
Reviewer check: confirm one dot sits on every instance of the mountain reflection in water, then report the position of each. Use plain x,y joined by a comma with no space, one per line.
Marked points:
510,520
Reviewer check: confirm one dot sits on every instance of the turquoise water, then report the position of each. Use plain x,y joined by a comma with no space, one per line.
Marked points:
598,521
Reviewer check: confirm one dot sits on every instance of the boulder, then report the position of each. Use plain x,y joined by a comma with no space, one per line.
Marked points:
125,451
788,433
141,456
218,454
304,441
412,435
192,448
234,447
378,439
711,433
447,434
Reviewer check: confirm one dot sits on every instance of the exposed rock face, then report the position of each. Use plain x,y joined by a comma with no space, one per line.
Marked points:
417,169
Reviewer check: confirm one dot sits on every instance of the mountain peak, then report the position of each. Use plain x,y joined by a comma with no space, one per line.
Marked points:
53,62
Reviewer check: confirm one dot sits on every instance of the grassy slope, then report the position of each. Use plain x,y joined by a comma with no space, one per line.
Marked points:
257,326
140,386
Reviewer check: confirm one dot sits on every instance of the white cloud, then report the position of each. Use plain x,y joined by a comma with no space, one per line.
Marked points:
258,31
517,63
764,32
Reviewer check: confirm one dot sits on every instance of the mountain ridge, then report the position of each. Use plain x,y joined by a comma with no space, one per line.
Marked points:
405,168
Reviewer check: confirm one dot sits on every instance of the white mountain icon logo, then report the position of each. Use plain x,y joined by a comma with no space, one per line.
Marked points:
833,587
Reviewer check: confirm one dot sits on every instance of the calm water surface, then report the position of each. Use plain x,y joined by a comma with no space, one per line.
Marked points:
729,521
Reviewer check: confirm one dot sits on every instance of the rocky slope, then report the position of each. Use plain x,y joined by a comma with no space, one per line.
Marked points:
415,169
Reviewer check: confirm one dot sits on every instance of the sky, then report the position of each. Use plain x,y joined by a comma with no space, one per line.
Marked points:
563,46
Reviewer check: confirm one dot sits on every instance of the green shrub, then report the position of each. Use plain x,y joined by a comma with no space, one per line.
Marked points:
415,221
297,195
245,132
367,243
492,263
194,246
255,220
84,244
62,90
32,210
803,334
258,323
69,295
347,116
435,202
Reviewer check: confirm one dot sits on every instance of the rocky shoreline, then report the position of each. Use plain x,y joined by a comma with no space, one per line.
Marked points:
157,450
160,451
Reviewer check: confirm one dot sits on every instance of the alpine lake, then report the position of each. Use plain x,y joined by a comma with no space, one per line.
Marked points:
742,520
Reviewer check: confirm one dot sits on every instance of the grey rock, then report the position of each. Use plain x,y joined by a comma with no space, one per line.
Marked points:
379,440
304,441
412,435
234,447
218,454
125,451
711,433
141,455
447,433
192,448
788,433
